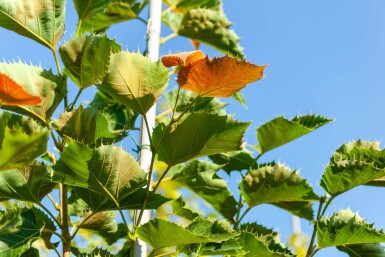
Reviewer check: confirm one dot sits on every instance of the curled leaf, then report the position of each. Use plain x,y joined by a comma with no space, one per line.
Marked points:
218,77
182,59
13,94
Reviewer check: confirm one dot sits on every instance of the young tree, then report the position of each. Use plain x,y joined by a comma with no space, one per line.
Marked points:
103,189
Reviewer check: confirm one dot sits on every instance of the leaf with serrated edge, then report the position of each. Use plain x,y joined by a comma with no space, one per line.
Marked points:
89,252
135,81
363,250
218,77
107,170
40,20
86,58
13,94
274,183
161,233
235,161
179,208
182,59
200,177
215,230
20,135
72,124
29,183
353,164
38,82
280,131
346,228
199,134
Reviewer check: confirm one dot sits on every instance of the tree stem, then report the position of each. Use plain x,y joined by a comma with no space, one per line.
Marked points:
63,189
312,247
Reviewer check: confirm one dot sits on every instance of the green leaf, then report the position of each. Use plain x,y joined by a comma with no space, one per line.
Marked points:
135,81
90,200
280,131
353,164
199,134
215,230
31,252
201,178
88,252
303,209
44,222
105,225
276,184
38,82
346,228
10,222
98,15
179,208
119,116
107,170
161,233
240,99
256,247
12,244
20,135
186,98
257,230
230,248
86,58
363,250
232,161
72,124
29,183
207,26
40,20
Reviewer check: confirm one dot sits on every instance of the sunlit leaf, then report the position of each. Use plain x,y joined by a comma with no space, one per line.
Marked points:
179,208
10,222
235,161
199,134
105,225
346,228
107,170
135,81
89,252
280,131
98,15
257,229
29,183
363,250
40,20
228,248
218,77
161,233
278,185
72,124
240,99
189,5
353,164
201,178
13,94
37,82
182,59
215,230
119,116
86,58
20,135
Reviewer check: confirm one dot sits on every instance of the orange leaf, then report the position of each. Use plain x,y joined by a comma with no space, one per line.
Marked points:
221,77
182,59
13,94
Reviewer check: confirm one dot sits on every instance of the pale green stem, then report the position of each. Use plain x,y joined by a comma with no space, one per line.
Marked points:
167,38
312,247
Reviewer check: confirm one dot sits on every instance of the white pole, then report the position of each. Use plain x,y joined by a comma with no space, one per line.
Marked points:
145,154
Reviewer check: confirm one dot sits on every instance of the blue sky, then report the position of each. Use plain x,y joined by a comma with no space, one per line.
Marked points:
325,57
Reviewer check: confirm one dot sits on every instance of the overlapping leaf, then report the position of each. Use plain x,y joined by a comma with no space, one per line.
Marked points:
280,131
199,134
276,184
353,164
200,177
232,161
10,222
98,15
218,77
346,228
185,5
179,208
182,59
37,82
107,170
72,124
135,81
20,135
161,233
228,248
89,252
86,58
119,116
363,250
208,26
29,183
12,244
13,94
40,20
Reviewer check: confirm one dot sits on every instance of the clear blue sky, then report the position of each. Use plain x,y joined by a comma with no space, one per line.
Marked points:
325,57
